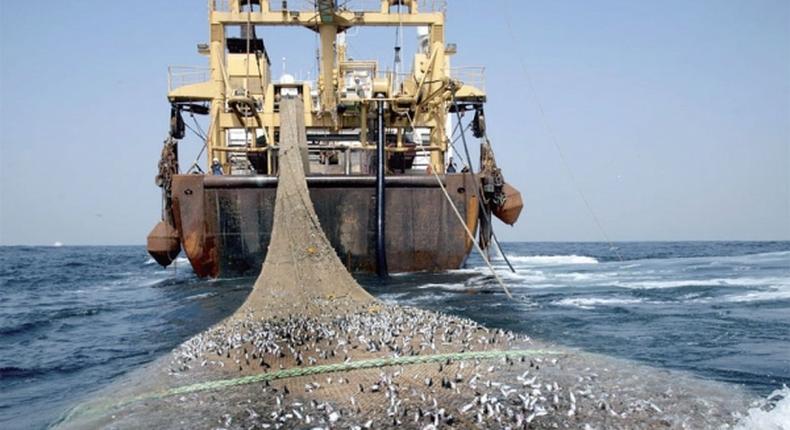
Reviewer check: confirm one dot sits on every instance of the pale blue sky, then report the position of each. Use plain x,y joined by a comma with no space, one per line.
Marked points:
674,116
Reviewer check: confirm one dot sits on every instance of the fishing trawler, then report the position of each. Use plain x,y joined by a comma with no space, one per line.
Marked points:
390,191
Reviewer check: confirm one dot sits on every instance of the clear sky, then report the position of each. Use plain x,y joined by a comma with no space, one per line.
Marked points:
674,116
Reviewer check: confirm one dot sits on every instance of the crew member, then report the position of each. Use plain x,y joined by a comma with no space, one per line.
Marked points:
451,166
216,167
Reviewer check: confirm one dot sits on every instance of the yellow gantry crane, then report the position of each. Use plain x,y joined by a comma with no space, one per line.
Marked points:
243,95
360,121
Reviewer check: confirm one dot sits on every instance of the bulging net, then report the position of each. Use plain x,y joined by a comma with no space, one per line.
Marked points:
310,348
302,272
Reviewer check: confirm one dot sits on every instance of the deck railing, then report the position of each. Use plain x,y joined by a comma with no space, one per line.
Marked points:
470,75
179,76
359,5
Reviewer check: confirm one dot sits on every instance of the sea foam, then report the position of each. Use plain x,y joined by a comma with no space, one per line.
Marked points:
715,282
591,302
772,413
552,260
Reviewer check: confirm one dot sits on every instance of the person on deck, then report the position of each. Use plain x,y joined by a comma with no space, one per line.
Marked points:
451,166
216,167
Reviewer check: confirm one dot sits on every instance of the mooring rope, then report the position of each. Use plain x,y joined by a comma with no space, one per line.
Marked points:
478,191
296,372
457,213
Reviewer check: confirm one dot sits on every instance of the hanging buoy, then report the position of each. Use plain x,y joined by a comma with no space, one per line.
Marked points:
164,244
511,209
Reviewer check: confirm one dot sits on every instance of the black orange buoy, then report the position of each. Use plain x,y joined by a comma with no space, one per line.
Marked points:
163,243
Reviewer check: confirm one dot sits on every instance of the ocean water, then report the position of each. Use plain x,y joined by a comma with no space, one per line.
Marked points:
72,319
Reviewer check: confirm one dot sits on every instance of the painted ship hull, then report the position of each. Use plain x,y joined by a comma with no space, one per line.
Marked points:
224,222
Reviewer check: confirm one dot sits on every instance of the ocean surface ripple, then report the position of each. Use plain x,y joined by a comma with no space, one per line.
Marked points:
73,319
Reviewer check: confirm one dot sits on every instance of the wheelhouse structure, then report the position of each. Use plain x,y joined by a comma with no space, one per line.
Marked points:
387,186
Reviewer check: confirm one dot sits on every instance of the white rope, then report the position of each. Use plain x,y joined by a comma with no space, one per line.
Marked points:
471,236
461,219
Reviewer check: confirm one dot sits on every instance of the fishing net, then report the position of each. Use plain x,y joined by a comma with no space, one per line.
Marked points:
310,348
302,270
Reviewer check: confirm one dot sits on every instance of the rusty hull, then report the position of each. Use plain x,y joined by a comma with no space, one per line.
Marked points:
225,221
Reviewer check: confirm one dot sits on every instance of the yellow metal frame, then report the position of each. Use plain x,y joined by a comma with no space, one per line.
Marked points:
422,101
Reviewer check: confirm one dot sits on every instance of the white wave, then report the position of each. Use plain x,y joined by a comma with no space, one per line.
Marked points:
772,413
691,297
148,283
520,276
591,302
716,282
420,300
467,270
447,287
774,254
552,260
202,296
575,276
179,261
651,285
758,296
392,298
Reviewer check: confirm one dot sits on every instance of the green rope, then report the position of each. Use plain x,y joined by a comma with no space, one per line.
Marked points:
295,372
353,365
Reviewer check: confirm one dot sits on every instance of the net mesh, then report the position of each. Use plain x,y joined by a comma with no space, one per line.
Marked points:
306,311
302,270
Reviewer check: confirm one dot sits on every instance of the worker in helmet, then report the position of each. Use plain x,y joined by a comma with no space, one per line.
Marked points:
216,167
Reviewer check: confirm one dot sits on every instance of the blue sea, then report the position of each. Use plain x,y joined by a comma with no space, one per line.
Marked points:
73,319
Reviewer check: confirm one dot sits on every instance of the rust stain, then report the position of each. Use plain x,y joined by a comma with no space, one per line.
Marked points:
191,221
220,224
472,211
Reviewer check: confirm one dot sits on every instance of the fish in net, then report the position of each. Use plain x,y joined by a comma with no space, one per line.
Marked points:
310,348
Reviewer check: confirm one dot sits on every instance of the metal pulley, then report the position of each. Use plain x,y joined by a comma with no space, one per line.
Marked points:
243,105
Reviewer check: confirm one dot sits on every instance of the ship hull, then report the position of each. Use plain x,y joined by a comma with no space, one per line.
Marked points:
225,222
